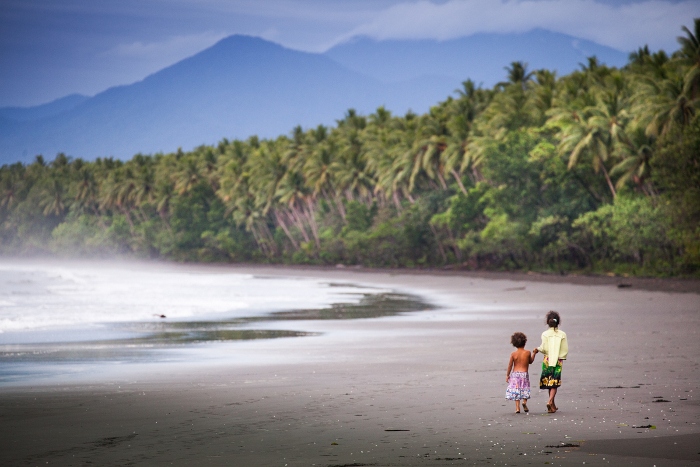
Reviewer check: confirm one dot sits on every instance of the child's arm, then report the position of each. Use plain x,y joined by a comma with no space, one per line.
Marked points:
532,356
510,367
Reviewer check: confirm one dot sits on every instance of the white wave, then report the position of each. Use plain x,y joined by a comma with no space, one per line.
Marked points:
34,297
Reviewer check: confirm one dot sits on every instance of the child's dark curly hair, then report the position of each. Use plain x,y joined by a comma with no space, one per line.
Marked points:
518,340
553,320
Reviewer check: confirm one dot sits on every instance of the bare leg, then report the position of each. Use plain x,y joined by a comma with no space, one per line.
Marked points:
525,406
517,406
552,394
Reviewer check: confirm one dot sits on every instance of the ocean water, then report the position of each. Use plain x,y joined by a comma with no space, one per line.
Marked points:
58,319
45,297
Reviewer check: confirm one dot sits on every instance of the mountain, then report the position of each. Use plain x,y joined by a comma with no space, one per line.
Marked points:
28,114
480,57
239,87
244,86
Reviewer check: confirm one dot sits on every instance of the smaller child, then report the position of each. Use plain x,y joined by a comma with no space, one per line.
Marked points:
519,380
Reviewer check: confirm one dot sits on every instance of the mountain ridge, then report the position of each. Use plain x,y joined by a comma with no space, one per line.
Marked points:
244,86
386,59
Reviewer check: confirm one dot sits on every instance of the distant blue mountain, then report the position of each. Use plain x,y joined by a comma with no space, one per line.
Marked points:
480,57
245,86
28,114
239,87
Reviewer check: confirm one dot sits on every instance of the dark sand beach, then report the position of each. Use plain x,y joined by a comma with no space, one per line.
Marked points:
425,388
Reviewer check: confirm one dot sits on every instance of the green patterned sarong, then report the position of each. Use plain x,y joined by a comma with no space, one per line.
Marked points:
551,375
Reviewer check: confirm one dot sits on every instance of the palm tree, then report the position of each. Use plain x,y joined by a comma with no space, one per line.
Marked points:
164,193
208,160
381,138
53,197
596,130
352,175
689,56
294,194
144,188
265,168
662,103
637,154
509,109
352,120
188,174
517,75
116,193
427,150
460,153
87,189
542,95
318,173
594,73
11,184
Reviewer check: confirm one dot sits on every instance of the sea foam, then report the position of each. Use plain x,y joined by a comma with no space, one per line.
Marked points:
36,296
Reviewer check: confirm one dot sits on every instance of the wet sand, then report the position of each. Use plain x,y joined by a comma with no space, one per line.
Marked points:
426,388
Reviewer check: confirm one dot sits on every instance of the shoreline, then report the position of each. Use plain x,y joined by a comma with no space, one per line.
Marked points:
650,283
658,284
339,398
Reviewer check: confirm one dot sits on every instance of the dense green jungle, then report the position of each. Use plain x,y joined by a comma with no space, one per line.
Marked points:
597,171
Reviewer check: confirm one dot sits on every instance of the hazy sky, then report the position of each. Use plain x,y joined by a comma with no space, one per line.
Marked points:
51,48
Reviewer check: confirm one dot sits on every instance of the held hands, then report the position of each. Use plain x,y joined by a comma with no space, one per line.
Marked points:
535,351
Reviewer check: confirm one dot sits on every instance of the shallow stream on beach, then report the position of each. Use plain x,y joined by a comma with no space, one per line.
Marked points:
55,316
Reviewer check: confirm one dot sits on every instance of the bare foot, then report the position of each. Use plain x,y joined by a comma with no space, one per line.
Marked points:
525,407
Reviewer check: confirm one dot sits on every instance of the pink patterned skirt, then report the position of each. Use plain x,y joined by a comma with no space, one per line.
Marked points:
518,386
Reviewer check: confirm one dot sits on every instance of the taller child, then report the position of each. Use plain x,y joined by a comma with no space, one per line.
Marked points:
555,348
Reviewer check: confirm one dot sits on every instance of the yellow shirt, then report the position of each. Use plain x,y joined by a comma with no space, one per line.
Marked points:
554,344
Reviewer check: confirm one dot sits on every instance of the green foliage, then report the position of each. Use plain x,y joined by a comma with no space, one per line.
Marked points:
595,171
631,232
358,216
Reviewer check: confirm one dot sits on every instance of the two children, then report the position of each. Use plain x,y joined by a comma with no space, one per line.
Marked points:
519,380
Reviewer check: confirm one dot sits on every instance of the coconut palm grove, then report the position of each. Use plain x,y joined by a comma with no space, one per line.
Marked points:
597,171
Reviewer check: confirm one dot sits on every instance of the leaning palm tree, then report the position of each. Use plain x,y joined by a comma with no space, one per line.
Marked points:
595,131
318,173
266,167
294,194
424,154
380,141
661,103
457,156
635,165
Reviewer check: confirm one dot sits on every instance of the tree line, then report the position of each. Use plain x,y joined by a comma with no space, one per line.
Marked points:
594,171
